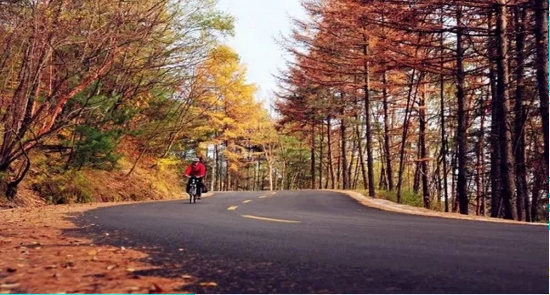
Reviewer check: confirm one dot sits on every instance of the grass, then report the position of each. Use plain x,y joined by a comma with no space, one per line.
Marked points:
408,197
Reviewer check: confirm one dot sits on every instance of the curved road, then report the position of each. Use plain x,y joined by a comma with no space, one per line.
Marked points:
324,242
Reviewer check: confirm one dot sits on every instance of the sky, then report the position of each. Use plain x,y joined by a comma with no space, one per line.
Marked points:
259,24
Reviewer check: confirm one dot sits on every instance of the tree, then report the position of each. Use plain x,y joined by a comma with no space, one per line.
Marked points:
387,58
60,56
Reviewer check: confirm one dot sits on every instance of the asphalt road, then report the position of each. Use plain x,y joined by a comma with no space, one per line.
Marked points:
324,242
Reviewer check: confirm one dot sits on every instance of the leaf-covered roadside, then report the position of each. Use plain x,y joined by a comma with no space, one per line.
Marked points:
38,258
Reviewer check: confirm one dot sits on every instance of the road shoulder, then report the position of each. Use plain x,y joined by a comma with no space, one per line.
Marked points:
405,209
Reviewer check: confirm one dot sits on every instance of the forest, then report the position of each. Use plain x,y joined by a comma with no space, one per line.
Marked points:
436,104
443,104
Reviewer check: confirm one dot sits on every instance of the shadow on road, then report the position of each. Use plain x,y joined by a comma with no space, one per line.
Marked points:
219,268
214,273
197,273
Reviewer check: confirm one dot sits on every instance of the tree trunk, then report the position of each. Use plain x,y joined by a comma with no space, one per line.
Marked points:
480,146
355,174
496,196
344,169
351,161
382,183
228,179
442,110
321,143
312,155
404,137
248,169
387,137
462,189
270,167
439,183
12,185
219,157
520,116
329,153
454,199
143,151
339,166
361,160
541,35
416,179
503,105
483,209
214,170
226,175
283,173
423,151
368,134
535,197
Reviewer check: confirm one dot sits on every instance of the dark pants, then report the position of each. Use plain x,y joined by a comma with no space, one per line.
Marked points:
199,186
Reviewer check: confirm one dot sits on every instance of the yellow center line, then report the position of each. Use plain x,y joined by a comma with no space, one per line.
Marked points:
247,201
270,219
232,208
262,197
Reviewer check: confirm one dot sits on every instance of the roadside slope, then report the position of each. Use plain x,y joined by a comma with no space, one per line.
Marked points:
405,209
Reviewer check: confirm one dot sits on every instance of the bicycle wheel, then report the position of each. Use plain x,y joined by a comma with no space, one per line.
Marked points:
193,195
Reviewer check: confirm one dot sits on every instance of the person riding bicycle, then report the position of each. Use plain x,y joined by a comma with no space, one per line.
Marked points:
197,170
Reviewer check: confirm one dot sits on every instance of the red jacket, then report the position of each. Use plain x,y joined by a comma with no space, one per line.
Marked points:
196,170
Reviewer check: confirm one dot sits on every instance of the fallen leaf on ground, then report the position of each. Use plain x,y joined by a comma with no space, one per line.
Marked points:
9,286
43,271
155,288
111,267
68,264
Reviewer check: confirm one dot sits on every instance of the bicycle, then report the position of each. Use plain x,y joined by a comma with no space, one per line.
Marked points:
193,189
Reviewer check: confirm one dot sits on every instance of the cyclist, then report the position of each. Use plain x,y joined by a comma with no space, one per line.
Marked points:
197,170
